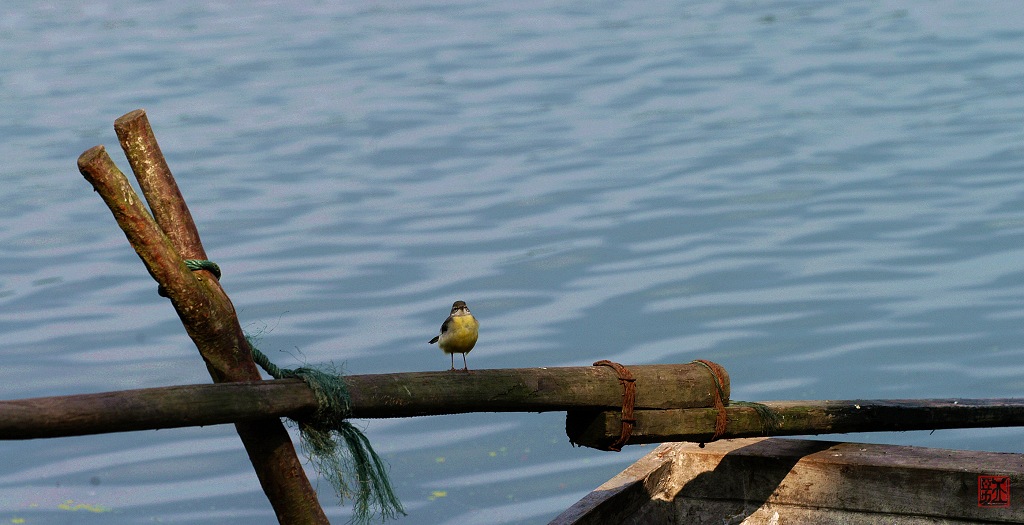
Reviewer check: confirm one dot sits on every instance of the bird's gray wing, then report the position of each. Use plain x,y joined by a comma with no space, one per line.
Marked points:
444,328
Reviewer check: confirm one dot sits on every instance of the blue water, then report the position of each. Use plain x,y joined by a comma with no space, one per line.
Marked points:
827,199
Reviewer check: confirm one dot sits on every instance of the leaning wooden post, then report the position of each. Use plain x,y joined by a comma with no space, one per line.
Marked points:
204,309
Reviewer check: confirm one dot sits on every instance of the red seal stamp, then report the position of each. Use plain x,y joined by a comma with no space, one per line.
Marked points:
993,491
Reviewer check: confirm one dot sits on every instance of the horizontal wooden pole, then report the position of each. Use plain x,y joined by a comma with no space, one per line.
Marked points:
372,396
528,390
599,428
152,408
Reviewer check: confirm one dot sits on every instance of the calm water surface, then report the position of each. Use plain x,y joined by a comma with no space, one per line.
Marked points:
826,199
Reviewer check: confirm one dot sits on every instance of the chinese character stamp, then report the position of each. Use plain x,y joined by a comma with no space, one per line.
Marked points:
993,491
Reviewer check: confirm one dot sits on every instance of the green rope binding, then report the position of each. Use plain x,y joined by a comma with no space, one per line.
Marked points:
203,264
322,434
770,419
194,264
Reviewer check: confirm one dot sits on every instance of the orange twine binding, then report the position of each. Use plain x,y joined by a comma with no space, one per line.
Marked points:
721,420
628,400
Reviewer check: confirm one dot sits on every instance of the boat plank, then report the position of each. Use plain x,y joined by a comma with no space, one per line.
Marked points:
774,480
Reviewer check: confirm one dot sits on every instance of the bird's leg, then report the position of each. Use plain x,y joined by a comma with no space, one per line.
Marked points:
453,360
465,367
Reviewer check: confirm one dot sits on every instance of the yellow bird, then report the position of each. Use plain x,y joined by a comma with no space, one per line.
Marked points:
458,333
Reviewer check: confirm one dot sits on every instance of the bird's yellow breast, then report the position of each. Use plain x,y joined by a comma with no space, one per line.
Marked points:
461,335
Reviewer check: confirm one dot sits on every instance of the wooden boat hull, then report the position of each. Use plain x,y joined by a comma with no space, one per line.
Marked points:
778,481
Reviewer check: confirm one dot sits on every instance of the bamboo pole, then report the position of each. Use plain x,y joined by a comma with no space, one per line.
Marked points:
163,243
372,396
598,428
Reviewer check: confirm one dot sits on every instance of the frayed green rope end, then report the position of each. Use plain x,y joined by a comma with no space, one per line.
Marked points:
323,435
